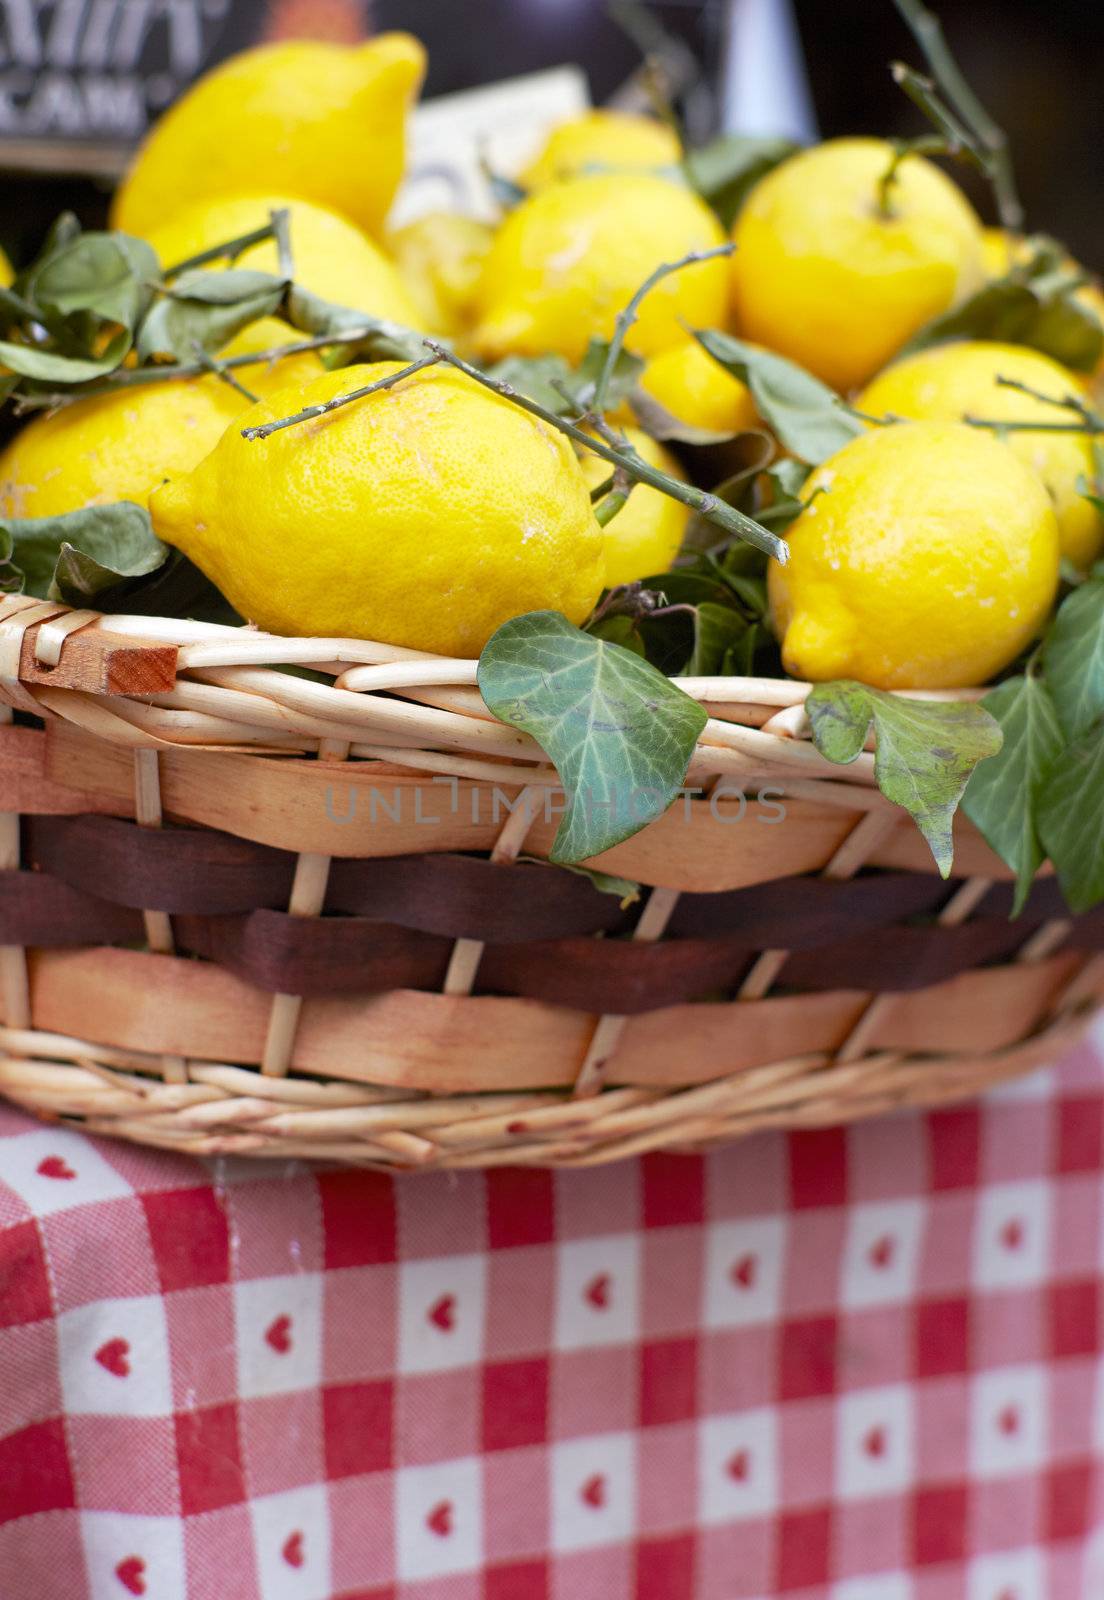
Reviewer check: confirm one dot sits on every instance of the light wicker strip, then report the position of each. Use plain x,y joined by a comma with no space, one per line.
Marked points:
308,896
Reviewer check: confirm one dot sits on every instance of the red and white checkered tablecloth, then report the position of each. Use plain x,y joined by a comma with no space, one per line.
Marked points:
863,1365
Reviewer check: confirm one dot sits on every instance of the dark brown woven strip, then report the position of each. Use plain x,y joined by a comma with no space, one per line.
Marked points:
197,871
39,910
358,955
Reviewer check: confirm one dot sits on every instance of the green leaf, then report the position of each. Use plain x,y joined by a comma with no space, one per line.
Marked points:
1071,819
655,419
1013,312
82,554
566,390
719,629
725,171
626,370
110,275
1074,658
383,341
807,416
619,734
1003,795
537,377
207,309
31,362
925,750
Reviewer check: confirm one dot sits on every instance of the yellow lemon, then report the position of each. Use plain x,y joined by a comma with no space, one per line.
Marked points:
328,119
602,139
330,257
425,515
569,258
6,272
929,561
697,390
113,446
823,277
440,260
646,534
953,381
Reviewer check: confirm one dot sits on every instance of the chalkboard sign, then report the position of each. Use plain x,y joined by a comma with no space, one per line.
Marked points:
82,80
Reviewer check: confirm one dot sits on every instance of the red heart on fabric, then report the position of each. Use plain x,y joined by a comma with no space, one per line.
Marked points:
744,1271
112,1356
292,1550
54,1167
597,1291
874,1442
738,1466
593,1492
1012,1234
278,1335
1009,1420
131,1573
881,1252
439,1520
443,1313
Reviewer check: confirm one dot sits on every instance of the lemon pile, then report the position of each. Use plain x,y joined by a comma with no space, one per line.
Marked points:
432,509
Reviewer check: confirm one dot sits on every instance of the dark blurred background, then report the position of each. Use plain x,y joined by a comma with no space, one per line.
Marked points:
71,103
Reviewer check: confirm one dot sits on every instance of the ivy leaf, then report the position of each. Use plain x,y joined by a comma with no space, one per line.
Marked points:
207,309
619,734
1074,658
807,416
726,170
1071,818
48,367
77,557
110,275
383,339
1015,312
925,750
1002,797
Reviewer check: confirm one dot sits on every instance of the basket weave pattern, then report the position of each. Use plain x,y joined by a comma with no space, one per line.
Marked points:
245,911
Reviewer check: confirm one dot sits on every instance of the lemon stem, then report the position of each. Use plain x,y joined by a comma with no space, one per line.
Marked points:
266,429
927,30
628,316
281,232
218,369
137,377
928,145
230,251
624,456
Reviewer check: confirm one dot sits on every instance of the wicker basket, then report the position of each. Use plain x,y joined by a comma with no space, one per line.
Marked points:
381,979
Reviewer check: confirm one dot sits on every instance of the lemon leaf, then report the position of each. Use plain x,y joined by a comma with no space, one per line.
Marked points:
925,750
77,556
619,734
726,170
1074,658
110,275
207,309
50,367
807,416
1012,312
383,339
542,378
1003,794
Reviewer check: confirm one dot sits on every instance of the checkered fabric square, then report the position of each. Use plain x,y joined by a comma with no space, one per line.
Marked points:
858,1364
